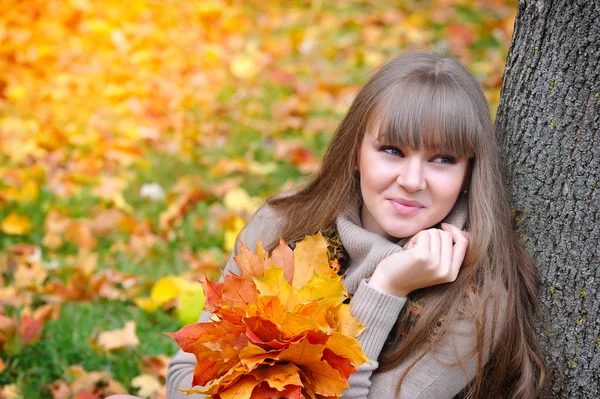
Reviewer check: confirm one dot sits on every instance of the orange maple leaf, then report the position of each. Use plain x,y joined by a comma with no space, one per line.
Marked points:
238,291
283,257
250,263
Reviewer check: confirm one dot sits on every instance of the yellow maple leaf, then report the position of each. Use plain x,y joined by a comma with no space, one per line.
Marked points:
346,346
16,224
190,302
310,256
260,251
274,284
165,289
302,353
327,291
190,298
325,380
293,324
346,323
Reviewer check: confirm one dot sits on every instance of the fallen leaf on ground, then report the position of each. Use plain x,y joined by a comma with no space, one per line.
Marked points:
148,385
155,365
15,224
10,392
115,339
96,384
60,390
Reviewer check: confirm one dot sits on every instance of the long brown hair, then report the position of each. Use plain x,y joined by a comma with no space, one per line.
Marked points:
422,99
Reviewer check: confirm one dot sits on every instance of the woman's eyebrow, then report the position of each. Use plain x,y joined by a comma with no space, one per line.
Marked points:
380,139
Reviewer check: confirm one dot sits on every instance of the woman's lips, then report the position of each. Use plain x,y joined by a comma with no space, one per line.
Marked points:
404,208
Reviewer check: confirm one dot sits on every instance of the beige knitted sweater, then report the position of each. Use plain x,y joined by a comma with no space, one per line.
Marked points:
431,377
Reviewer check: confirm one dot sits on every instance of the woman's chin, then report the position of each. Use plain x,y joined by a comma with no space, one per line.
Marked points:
399,234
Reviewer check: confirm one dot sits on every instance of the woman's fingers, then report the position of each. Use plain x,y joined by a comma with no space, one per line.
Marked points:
421,240
446,251
435,246
432,257
460,245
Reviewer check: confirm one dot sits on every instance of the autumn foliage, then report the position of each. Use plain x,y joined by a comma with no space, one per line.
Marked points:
138,138
281,329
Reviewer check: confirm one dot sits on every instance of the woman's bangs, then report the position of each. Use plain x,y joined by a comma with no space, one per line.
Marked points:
428,114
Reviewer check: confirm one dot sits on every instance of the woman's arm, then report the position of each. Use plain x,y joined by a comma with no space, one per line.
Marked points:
443,372
378,312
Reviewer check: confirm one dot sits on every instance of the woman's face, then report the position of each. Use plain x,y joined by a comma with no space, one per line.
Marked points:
406,190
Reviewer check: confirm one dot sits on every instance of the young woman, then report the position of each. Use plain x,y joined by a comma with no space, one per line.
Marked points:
412,167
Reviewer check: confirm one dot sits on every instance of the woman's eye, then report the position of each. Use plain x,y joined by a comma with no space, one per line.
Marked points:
391,150
445,159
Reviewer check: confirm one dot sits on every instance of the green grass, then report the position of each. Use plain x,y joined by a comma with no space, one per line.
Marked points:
66,342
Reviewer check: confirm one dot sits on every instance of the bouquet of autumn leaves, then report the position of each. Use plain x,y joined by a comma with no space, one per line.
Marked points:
281,329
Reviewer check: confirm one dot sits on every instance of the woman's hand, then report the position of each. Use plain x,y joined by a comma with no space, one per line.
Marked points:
430,257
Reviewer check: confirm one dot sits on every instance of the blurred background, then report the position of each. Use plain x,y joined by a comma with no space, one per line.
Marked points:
138,137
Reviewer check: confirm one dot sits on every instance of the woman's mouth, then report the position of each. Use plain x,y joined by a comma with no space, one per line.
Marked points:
405,207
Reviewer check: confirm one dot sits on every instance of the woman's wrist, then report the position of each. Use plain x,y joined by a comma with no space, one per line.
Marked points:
381,284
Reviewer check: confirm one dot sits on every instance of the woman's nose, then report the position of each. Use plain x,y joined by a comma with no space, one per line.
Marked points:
411,175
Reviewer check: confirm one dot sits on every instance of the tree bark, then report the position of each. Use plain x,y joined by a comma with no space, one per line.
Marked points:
548,124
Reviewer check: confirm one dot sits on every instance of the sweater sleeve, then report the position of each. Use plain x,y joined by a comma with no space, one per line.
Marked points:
441,373
378,312
181,367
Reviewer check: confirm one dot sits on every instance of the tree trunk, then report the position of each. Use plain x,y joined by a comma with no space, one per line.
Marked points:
548,123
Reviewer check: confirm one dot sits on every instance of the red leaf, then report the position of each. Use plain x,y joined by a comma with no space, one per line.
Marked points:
238,291
212,292
30,329
292,392
212,364
206,370
192,334
264,391
264,333
317,337
342,364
